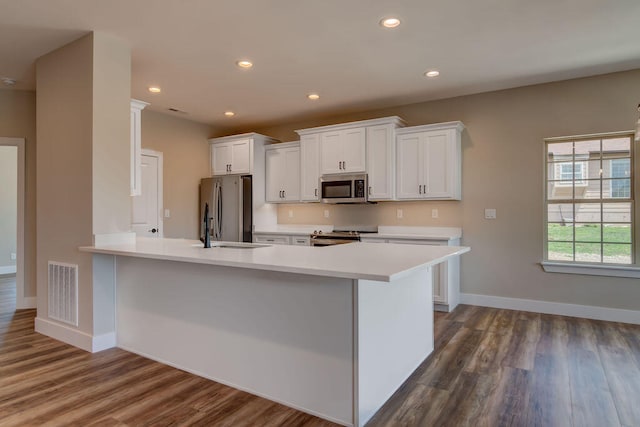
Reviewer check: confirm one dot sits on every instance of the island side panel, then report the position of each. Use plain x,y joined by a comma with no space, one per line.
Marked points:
286,337
394,335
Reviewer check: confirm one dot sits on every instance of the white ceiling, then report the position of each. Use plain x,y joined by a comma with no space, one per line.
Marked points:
333,47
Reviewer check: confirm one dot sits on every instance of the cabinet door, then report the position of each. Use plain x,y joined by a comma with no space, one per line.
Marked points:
331,152
220,158
438,157
291,174
353,150
310,167
274,165
409,167
241,156
380,161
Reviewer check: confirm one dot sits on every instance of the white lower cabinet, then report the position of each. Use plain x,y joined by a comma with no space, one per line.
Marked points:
446,275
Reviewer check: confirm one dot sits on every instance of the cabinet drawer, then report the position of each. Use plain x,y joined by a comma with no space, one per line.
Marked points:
300,240
271,239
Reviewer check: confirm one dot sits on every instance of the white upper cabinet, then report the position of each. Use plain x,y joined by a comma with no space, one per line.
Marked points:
310,168
343,147
429,161
381,158
234,155
343,151
136,146
283,172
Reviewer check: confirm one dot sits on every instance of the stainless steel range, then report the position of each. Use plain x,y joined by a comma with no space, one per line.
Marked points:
341,235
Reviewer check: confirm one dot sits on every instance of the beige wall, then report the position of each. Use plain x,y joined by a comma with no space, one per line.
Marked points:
82,115
185,150
18,119
111,135
8,204
502,169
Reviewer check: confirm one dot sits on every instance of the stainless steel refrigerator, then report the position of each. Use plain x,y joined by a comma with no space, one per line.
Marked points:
230,208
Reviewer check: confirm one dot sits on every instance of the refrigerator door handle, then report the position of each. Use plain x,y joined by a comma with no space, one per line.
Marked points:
219,212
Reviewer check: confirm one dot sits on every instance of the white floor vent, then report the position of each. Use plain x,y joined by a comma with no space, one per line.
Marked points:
63,292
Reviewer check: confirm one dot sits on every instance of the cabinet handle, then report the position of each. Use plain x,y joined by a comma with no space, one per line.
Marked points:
419,189
369,190
344,165
284,194
339,165
316,192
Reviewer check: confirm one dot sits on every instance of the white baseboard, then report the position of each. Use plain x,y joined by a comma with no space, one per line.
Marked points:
27,302
75,337
547,307
8,269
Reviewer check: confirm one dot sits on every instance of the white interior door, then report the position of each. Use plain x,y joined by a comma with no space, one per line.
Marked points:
146,218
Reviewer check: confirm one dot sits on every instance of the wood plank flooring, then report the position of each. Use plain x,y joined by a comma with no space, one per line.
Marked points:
490,368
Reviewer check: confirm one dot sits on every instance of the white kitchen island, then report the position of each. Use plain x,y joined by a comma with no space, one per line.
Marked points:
332,331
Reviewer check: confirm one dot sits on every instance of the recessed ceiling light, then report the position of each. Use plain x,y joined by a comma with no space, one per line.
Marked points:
154,89
229,113
313,96
244,64
432,73
390,22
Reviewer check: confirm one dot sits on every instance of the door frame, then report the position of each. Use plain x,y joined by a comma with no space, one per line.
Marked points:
21,300
159,156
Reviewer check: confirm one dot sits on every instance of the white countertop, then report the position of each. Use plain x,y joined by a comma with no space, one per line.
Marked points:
368,261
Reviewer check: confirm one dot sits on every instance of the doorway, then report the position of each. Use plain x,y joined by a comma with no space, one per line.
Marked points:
146,209
13,152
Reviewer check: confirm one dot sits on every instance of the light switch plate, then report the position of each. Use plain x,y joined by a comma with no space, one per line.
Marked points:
167,213
326,213
290,213
434,213
399,213
13,256
489,214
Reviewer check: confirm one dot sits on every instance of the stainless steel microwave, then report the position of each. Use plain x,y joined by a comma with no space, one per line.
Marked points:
339,188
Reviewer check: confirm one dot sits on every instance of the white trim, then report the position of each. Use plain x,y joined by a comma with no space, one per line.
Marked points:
75,337
591,269
160,157
251,135
549,307
114,239
7,269
457,125
20,143
398,122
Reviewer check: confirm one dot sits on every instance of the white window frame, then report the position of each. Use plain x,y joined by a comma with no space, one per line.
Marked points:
614,180
590,268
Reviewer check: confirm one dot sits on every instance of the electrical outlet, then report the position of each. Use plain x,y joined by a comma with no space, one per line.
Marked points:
290,213
13,256
167,213
434,213
490,214
399,213
326,213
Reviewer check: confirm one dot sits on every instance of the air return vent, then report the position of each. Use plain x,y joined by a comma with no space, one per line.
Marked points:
63,292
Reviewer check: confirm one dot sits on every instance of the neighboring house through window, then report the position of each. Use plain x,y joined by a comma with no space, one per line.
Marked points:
589,199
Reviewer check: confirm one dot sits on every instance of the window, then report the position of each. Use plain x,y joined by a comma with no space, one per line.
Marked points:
589,199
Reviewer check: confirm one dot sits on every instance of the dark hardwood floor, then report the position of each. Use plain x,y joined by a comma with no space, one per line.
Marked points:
490,368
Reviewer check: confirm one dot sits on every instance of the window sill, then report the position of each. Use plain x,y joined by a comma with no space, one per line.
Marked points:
631,271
